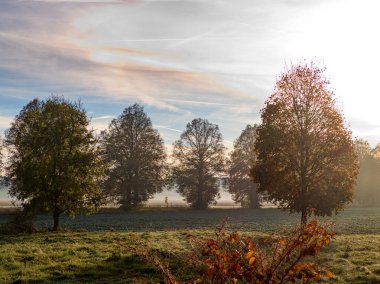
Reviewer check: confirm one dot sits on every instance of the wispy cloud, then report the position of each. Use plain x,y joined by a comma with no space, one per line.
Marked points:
103,117
118,80
82,1
180,40
168,128
197,102
183,59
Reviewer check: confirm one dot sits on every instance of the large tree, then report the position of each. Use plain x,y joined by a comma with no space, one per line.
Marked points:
136,155
243,156
199,163
306,159
54,161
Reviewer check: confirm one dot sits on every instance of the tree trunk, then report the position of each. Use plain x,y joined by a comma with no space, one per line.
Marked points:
136,202
199,198
200,185
135,197
253,198
56,214
127,198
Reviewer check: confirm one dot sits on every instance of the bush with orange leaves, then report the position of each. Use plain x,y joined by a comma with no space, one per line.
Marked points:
276,260
230,259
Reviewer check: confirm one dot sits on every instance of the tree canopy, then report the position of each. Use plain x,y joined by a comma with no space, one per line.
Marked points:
243,156
136,157
306,157
199,163
54,161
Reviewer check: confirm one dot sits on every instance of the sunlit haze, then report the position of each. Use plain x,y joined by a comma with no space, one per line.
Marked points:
184,59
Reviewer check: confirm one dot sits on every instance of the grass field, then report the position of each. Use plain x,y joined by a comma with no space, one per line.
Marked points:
105,248
352,220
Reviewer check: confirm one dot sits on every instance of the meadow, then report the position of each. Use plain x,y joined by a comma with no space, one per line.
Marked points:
106,247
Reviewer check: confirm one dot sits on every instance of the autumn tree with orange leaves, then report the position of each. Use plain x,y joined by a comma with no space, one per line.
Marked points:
306,160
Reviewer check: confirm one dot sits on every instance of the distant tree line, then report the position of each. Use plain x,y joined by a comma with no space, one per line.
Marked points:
300,157
367,191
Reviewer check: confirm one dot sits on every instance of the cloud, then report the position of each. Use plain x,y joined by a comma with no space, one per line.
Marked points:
99,125
215,59
168,128
83,1
104,117
75,56
197,102
68,51
60,61
5,121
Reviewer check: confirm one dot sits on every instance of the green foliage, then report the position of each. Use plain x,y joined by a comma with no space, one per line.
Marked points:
238,182
306,159
136,157
198,163
54,161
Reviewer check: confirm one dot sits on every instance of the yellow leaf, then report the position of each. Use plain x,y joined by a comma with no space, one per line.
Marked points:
329,274
251,260
249,254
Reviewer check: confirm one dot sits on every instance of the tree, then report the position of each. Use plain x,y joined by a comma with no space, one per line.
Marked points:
136,154
54,163
198,163
239,182
363,149
306,157
367,191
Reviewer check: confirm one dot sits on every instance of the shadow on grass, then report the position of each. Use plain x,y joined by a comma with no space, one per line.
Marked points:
115,269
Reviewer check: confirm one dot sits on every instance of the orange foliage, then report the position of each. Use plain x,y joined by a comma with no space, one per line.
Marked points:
230,259
306,160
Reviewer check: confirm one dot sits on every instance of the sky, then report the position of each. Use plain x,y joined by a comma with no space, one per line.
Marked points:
215,59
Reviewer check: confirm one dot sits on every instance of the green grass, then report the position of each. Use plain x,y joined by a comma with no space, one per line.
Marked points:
354,258
350,221
106,248
82,257
113,257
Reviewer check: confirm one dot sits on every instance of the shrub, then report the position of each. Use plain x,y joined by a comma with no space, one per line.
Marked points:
285,258
279,259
